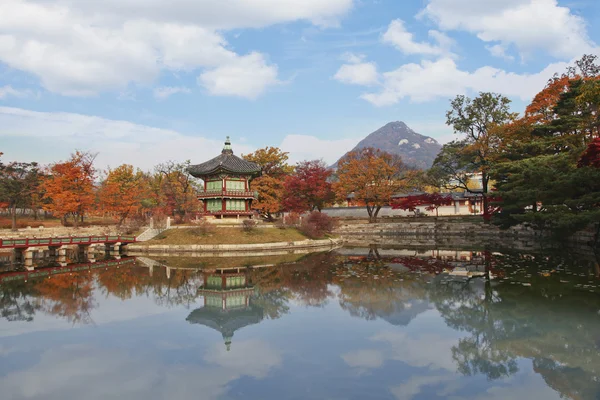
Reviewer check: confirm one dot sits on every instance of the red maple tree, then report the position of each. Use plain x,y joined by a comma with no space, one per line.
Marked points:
432,201
308,188
591,155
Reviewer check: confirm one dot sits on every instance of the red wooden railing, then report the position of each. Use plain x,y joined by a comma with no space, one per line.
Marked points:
50,271
59,241
227,193
228,212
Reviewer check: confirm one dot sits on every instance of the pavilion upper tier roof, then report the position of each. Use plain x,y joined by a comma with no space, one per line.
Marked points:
227,162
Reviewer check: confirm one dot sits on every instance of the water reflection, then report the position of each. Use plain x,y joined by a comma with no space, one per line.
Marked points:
227,306
432,324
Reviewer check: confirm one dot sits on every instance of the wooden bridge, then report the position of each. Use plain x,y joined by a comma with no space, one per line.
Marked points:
62,241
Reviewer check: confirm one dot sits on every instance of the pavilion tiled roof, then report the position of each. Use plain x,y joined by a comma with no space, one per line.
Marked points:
227,162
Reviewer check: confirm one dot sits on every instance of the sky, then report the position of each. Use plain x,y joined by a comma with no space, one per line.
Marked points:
146,81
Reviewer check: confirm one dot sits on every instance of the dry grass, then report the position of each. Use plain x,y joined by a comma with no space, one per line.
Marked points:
227,236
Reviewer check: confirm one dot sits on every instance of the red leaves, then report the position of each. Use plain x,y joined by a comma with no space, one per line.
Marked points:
433,201
591,156
308,187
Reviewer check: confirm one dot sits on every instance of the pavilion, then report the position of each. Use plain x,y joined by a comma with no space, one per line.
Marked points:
226,184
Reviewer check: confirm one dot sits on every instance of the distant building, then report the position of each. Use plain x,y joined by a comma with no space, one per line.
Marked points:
226,184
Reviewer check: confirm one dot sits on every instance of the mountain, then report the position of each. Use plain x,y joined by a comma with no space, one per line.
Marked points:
397,138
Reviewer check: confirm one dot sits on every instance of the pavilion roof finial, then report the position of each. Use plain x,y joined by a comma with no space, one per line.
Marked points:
227,147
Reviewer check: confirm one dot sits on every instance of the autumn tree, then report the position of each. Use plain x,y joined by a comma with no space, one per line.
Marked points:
308,188
19,184
549,177
373,176
270,185
69,187
431,201
479,122
174,190
122,192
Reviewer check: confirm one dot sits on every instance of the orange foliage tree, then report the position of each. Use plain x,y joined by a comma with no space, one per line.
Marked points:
173,190
69,187
373,176
122,192
270,186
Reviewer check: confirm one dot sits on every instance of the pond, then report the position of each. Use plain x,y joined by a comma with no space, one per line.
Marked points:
354,323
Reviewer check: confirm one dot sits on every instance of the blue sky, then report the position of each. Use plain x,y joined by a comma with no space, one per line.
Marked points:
143,82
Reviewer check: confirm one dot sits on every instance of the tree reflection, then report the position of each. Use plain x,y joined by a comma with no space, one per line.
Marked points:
370,289
543,310
17,301
67,296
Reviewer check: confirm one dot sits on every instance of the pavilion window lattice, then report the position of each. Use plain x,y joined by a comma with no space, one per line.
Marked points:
235,205
214,204
214,186
235,185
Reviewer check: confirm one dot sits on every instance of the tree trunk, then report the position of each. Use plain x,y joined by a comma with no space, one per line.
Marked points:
375,213
14,217
75,220
484,183
370,212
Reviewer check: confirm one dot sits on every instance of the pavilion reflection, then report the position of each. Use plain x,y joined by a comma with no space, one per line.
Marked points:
228,305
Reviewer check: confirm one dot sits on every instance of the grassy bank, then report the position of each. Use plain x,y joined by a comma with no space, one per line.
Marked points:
226,236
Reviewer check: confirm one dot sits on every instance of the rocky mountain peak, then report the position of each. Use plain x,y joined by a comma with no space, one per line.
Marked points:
397,138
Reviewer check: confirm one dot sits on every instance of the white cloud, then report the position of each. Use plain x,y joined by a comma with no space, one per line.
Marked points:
433,351
218,14
357,74
164,92
250,357
67,372
364,358
302,147
53,136
528,24
413,385
81,48
399,37
499,50
246,76
352,58
8,91
442,78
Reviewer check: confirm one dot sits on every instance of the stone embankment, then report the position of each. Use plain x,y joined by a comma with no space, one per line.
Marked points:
447,232
229,248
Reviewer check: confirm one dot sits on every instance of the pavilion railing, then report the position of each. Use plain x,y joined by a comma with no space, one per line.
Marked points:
228,193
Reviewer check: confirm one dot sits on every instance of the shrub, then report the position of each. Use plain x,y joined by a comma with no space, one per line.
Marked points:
203,228
316,225
249,225
292,219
